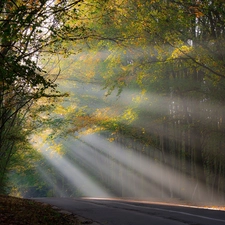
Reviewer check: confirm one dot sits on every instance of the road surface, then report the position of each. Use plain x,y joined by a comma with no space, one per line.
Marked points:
116,212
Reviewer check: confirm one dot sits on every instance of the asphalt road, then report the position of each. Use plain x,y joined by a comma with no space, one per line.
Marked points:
108,212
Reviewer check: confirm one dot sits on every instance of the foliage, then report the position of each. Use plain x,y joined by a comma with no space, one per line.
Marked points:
167,56
172,52
27,28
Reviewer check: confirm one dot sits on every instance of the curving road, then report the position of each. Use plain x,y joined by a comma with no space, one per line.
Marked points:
118,212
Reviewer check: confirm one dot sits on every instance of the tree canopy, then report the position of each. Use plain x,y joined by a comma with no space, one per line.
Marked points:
165,60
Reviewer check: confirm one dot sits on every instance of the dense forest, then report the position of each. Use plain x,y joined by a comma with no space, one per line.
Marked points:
113,98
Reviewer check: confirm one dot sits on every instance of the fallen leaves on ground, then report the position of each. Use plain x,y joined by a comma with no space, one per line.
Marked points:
18,211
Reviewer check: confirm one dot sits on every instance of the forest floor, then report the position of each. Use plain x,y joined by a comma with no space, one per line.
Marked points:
18,211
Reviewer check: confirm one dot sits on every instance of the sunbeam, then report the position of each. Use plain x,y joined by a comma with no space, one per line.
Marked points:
75,175
49,180
132,175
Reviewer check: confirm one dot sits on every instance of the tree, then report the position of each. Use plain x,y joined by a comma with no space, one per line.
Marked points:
171,52
174,49
27,28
